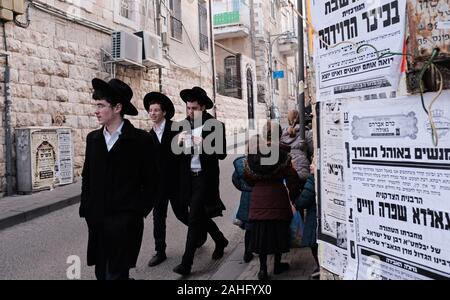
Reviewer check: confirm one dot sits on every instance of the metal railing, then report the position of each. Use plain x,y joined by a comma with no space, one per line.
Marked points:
231,12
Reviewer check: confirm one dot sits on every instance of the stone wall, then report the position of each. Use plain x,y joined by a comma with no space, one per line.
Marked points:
52,64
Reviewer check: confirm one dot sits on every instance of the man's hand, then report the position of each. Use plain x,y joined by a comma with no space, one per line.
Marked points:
182,137
198,140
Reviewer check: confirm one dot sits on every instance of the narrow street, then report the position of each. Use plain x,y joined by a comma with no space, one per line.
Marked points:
39,249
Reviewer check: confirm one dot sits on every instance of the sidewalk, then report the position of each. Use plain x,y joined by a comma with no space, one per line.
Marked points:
234,268
22,208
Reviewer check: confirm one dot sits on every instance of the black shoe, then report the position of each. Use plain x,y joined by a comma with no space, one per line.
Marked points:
280,268
157,259
218,252
182,270
202,239
248,256
262,275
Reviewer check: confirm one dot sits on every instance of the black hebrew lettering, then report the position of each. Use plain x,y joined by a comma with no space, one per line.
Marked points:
435,218
365,152
394,211
336,33
432,153
364,203
388,14
389,152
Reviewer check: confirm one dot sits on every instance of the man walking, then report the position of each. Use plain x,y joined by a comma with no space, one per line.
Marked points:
161,110
118,187
204,137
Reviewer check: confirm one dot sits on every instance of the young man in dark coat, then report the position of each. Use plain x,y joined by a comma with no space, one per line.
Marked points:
118,184
203,139
161,110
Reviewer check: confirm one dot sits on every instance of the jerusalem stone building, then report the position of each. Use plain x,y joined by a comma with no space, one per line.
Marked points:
56,47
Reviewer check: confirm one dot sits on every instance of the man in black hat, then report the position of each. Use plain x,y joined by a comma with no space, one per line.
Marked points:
118,184
161,110
204,141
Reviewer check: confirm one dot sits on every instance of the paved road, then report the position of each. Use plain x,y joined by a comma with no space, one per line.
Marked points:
39,249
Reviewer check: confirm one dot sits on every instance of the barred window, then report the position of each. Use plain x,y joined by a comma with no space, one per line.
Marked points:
125,8
203,25
176,26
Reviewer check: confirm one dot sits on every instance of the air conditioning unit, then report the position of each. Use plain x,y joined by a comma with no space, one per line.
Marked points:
151,49
126,48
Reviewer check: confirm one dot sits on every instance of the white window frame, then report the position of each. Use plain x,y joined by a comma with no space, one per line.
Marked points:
135,15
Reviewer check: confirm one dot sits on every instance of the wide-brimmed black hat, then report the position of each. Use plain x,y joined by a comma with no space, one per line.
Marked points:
117,90
197,94
166,103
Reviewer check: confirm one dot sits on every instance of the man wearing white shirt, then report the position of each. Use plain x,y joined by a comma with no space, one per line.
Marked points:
161,110
118,183
204,140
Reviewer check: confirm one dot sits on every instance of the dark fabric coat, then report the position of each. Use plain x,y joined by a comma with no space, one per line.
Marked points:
168,165
307,200
210,166
118,191
274,187
240,184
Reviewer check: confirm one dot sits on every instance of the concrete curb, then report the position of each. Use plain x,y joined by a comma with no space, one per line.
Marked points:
17,217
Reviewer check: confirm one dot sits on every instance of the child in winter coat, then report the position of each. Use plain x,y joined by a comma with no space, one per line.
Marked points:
307,201
244,204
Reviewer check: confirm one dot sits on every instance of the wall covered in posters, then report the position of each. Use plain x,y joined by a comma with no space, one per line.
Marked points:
399,197
383,184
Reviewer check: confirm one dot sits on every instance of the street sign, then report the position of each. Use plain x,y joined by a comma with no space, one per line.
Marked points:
278,74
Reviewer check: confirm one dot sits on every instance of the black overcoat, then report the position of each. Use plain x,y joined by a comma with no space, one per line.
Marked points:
118,191
213,204
168,163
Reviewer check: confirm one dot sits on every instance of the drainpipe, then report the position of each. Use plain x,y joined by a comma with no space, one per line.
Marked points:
301,72
158,31
8,128
213,60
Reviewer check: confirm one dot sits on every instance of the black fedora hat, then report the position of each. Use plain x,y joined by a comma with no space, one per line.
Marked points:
166,103
197,94
116,90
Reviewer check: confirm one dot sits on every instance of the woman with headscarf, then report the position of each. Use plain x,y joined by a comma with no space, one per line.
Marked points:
300,148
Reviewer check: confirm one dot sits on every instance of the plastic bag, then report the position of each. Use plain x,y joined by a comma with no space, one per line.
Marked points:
296,230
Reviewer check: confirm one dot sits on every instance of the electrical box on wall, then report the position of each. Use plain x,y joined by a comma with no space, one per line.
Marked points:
429,30
44,158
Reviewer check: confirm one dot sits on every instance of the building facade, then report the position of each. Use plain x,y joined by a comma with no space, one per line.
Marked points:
53,59
253,41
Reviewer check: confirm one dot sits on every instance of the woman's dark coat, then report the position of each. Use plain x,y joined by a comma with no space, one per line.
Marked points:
240,184
307,200
274,187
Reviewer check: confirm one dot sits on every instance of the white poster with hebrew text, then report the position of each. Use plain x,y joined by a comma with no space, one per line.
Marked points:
400,188
354,47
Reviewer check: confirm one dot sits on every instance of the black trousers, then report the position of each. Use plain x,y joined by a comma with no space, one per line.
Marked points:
198,220
103,272
159,220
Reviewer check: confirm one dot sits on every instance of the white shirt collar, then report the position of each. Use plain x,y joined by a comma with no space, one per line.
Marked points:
160,127
117,132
